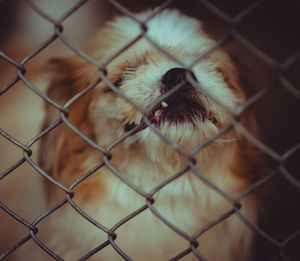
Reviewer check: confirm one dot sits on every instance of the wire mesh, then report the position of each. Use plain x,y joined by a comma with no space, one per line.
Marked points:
281,252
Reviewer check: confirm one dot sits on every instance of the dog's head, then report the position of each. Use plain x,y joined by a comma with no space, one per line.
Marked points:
184,98
176,93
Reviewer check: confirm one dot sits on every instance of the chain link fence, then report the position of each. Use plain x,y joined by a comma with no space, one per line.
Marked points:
278,247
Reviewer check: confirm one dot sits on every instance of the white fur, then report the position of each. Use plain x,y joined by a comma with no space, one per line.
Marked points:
146,160
187,203
185,30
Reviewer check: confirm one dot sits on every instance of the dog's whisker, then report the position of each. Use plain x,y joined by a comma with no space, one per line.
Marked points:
225,140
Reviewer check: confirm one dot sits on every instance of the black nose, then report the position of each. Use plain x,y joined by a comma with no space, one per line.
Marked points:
175,76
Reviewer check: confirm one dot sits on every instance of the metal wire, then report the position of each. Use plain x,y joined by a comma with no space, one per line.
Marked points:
112,233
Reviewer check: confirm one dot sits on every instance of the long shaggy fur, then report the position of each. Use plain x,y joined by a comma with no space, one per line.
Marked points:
144,158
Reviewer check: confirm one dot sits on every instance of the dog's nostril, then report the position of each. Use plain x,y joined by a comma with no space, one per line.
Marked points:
173,77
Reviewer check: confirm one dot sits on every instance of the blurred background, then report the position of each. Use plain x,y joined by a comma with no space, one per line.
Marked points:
273,28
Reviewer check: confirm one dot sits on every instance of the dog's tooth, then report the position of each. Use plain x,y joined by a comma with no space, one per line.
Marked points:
164,104
139,119
156,114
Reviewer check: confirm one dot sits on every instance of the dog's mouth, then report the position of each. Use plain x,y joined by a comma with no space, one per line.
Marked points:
179,109
175,110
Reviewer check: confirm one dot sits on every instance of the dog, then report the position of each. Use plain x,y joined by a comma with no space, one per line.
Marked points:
166,108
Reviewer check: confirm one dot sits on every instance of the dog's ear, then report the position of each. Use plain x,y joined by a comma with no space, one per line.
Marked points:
69,76
227,69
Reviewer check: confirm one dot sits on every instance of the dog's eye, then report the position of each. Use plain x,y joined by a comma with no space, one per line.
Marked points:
129,126
212,118
116,83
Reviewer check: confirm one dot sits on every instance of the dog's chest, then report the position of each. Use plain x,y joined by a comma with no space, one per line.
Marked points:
139,224
157,230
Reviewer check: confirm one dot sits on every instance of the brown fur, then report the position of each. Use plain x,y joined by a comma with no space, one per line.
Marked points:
66,156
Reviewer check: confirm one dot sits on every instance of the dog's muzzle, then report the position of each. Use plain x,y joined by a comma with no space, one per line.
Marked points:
183,105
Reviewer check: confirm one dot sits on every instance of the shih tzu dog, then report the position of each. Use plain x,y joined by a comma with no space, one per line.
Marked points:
163,108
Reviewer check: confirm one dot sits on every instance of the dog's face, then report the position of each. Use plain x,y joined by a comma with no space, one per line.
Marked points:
185,99
144,75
